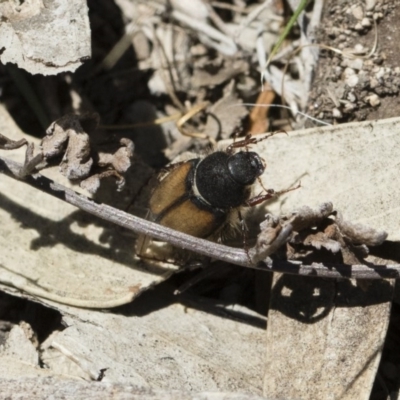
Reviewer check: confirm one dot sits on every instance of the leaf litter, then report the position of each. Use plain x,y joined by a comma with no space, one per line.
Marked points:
211,74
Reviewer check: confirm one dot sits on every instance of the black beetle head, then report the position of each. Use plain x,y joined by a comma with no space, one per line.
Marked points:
245,167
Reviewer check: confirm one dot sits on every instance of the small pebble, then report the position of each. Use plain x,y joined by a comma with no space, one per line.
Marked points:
350,77
380,73
358,12
349,72
396,81
349,107
351,97
337,71
377,16
354,63
366,23
373,100
373,82
359,48
363,79
358,27
336,113
370,4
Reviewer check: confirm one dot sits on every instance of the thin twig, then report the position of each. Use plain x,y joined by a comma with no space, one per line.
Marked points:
200,246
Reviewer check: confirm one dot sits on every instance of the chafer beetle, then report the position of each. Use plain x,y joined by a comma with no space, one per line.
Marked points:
198,196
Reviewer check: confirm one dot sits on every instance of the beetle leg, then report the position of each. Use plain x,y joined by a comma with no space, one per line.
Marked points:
250,139
270,193
262,197
245,231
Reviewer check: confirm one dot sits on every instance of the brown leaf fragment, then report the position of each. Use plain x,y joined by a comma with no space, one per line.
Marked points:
321,240
270,229
328,233
76,163
72,136
31,162
359,233
56,137
272,236
92,183
8,144
259,114
120,160
306,231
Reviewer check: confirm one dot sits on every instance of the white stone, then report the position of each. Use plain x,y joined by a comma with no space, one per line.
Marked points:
351,80
373,82
351,97
336,113
366,23
359,48
380,73
358,12
348,72
354,63
370,4
373,100
348,107
377,16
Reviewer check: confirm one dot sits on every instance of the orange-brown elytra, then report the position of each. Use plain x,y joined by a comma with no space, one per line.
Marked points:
198,196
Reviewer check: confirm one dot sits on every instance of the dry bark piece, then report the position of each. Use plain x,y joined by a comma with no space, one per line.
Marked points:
352,165
324,337
45,38
21,345
226,354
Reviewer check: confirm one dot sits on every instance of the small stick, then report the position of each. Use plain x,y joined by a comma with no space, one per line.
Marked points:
200,246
